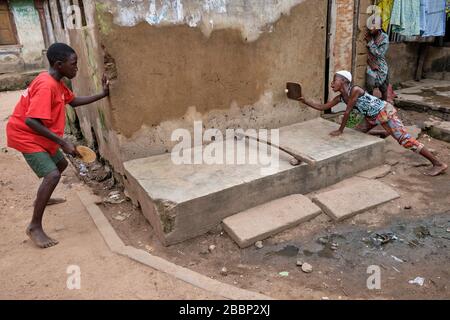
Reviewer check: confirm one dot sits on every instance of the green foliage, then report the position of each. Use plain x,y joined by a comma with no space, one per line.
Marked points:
354,119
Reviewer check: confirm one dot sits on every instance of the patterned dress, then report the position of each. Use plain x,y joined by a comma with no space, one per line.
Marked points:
378,48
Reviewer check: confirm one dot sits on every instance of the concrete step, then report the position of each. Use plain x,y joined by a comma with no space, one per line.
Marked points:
268,219
432,96
439,130
355,196
187,200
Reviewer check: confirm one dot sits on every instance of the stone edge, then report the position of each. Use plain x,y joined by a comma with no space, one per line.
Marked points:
196,279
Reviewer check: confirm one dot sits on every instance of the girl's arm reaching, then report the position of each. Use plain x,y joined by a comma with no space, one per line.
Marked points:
319,106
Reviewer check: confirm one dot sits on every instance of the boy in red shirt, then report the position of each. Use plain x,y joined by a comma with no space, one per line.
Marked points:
36,129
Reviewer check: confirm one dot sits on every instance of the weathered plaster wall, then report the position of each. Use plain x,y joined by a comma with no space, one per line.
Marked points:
166,76
29,32
437,63
11,59
402,59
232,75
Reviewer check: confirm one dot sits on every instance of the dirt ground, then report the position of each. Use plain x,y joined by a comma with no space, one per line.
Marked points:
27,272
420,220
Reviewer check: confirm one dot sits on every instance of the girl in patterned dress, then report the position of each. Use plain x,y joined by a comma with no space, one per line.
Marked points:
375,112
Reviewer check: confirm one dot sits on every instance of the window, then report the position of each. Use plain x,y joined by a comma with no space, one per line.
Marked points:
7,28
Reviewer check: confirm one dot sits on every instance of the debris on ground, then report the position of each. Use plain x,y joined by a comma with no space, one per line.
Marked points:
397,259
211,248
284,274
4,150
299,263
307,268
121,216
115,197
379,239
83,170
259,244
422,232
417,280
148,248
224,271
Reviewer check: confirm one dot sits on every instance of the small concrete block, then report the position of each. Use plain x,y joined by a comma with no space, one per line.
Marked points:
441,131
376,173
360,195
263,221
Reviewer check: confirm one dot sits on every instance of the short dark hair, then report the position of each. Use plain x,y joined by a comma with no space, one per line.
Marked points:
59,52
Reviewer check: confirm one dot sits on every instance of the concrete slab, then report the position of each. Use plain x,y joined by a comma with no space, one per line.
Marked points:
359,194
376,173
187,200
265,220
439,130
431,96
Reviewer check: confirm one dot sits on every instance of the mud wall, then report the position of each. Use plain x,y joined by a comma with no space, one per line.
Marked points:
222,62
402,59
437,63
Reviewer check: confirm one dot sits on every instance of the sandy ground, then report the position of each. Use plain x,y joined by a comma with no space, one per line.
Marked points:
30,273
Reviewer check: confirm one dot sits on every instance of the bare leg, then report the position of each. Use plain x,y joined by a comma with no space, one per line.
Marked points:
438,166
34,230
62,165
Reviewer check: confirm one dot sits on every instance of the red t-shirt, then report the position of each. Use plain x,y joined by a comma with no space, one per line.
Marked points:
44,99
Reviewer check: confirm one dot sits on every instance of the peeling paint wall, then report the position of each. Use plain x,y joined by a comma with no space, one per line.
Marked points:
27,53
250,17
227,67
29,32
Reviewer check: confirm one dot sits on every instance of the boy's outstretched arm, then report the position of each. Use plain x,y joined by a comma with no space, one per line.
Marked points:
81,101
37,126
319,106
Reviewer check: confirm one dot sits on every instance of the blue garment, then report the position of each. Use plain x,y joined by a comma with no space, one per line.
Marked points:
367,104
432,17
405,17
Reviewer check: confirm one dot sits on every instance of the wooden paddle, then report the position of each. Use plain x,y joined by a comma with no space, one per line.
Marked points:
293,90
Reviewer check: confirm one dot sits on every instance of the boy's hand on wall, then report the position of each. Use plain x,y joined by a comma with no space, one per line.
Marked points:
105,84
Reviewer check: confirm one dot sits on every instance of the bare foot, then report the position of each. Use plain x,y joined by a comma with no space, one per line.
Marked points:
38,236
53,201
436,170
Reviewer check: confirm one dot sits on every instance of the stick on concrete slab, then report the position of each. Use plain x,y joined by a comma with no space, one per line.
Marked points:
296,155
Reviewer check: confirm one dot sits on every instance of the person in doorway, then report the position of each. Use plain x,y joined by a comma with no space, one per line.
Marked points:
377,73
36,129
376,112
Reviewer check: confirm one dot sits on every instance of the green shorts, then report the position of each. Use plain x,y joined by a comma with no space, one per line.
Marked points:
43,163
